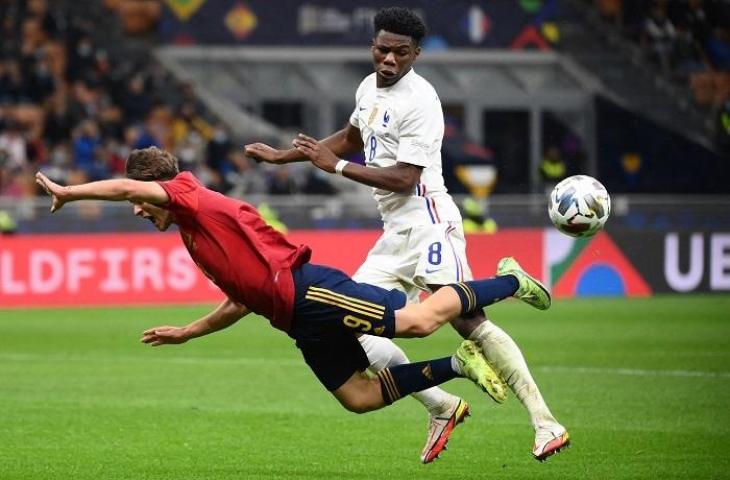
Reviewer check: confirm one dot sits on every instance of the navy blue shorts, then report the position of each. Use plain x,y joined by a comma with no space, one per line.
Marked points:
329,309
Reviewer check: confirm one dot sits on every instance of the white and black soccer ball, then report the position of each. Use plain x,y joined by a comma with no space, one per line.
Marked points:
579,206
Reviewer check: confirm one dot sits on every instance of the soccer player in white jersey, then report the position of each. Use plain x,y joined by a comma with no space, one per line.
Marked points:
398,121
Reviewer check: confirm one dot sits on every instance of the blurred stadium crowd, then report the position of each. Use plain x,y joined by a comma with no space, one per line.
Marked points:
73,108
683,37
74,101
689,41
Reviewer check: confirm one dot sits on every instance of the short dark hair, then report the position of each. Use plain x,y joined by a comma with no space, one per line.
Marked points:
401,21
151,163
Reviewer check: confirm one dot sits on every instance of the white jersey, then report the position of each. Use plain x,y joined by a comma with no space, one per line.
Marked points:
405,123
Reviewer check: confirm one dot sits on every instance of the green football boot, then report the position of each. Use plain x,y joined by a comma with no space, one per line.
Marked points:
530,291
475,367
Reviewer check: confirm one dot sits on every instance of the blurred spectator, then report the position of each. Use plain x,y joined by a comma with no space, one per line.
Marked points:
611,10
723,128
660,35
188,119
12,87
219,146
136,101
476,220
465,161
718,48
317,183
74,101
553,167
694,31
59,120
13,147
190,151
60,163
86,146
82,59
49,21
697,23
281,182
8,225
245,178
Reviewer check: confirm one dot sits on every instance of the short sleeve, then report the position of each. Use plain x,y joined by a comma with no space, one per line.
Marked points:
354,117
420,134
183,192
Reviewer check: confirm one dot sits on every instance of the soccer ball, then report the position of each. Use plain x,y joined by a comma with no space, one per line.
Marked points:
579,206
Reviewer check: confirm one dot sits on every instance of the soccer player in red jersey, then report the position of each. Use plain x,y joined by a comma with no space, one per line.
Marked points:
319,307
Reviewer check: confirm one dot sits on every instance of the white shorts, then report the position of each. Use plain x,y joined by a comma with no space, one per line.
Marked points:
411,260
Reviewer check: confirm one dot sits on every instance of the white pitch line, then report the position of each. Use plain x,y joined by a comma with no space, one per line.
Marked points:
149,358
634,372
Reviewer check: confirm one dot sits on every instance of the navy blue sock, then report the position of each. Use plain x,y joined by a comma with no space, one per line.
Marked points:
402,380
480,293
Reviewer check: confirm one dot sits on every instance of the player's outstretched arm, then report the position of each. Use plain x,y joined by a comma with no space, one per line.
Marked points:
117,189
266,153
401,177
225,315
343,142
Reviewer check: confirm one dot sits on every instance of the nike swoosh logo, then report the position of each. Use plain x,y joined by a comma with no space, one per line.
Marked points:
432,271
363,108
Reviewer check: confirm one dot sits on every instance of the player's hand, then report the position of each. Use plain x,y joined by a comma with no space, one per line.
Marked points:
164,335
321,156
262,153
56,191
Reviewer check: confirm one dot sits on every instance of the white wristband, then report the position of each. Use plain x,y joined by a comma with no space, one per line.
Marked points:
340,166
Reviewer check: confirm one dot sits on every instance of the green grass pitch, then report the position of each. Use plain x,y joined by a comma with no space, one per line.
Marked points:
643,386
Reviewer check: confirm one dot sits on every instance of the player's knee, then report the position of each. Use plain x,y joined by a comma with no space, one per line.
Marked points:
360,394
358,403
469,322
382,352
424,327
356,406
419,321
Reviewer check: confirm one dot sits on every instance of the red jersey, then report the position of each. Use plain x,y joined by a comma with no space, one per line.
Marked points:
234,247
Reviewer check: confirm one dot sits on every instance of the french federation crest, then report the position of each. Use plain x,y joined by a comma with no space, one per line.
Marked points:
373,114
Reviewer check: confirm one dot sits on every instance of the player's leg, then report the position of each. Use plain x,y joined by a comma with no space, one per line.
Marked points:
507,360
446,411
362,394
329,308
388,265
505,357
383,353
329,304
329,300
450,302
359,393
441,260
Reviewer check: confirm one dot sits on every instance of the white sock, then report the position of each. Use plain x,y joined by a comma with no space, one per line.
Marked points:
383,353
506,358
456,366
